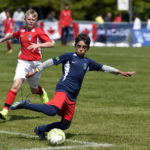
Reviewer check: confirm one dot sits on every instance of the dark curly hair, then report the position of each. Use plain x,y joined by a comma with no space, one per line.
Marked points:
82,37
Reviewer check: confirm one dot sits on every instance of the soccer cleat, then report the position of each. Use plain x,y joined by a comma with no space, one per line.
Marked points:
20,104
9,51
4,114
44,97
40,134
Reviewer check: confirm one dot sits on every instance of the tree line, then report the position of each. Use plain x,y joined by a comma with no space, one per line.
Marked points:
81,9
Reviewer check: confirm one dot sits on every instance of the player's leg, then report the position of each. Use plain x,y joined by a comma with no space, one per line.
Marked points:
66,111
51,108
43,108
9,47
10,97
19,78
63,125
63,36
66,35
36,88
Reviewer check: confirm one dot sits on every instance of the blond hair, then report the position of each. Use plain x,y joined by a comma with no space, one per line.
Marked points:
31,12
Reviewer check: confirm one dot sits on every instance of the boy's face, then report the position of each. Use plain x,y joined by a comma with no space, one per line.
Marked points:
66,7
7,14
81,48
30,21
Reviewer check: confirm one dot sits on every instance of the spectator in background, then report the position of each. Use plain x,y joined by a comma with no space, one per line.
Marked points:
99,19
65,22
19,15
148,23
3,14
8,28
118,18
136,23
108,17
18,18
51,16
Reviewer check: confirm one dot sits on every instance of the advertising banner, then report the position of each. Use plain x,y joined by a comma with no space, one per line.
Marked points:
141,37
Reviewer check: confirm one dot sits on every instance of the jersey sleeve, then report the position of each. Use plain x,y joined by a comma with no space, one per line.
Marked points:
16,34
44,37
62,59
13,23
94,66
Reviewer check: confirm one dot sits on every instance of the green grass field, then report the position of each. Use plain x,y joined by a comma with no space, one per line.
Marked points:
110,109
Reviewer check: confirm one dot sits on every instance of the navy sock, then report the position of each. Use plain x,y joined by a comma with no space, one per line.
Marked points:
63,125
48,127
44,108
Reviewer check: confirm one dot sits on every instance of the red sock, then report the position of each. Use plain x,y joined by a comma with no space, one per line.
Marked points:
40,91
8,44
10,99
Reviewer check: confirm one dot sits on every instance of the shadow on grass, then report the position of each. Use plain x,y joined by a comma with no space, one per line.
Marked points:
36,138
22,117
19,117
69,135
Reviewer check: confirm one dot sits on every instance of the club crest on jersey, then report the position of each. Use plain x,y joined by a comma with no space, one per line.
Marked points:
57,58
30,37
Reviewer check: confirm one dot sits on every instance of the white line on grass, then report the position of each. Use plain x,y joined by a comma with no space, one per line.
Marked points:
84,143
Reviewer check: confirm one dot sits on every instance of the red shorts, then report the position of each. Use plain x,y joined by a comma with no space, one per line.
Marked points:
66,106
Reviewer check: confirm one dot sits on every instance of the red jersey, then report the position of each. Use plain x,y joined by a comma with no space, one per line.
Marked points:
27,37
8,25
118,19
65,18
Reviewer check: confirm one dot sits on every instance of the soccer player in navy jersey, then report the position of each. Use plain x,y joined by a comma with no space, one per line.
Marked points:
75,65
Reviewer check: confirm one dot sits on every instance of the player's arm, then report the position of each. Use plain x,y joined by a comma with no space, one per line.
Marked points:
34,46
50,62
127,74
8,37
46,42
113,70
43,66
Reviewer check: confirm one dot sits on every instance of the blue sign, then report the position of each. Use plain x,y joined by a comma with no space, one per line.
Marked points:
113,32
141,36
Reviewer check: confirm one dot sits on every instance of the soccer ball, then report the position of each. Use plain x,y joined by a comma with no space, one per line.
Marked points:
56,137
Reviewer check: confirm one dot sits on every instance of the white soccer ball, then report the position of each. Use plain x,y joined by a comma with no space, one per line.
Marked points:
56,137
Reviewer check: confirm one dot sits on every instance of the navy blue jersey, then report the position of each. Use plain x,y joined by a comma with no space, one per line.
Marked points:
74,69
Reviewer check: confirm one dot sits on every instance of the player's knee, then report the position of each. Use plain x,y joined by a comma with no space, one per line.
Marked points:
15,88
52,110
65,124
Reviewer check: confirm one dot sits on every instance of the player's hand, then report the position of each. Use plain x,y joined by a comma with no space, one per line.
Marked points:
30,74
33,46
127,74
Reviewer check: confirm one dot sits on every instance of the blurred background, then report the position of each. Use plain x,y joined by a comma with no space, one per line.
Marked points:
81,9
108,22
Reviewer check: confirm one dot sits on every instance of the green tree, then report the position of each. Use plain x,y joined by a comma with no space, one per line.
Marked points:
81,9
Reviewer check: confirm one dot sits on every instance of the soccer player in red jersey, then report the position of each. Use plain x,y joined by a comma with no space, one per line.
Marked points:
8,27
65,22
29,58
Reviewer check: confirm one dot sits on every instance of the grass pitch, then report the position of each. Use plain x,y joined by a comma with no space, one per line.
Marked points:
110,109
